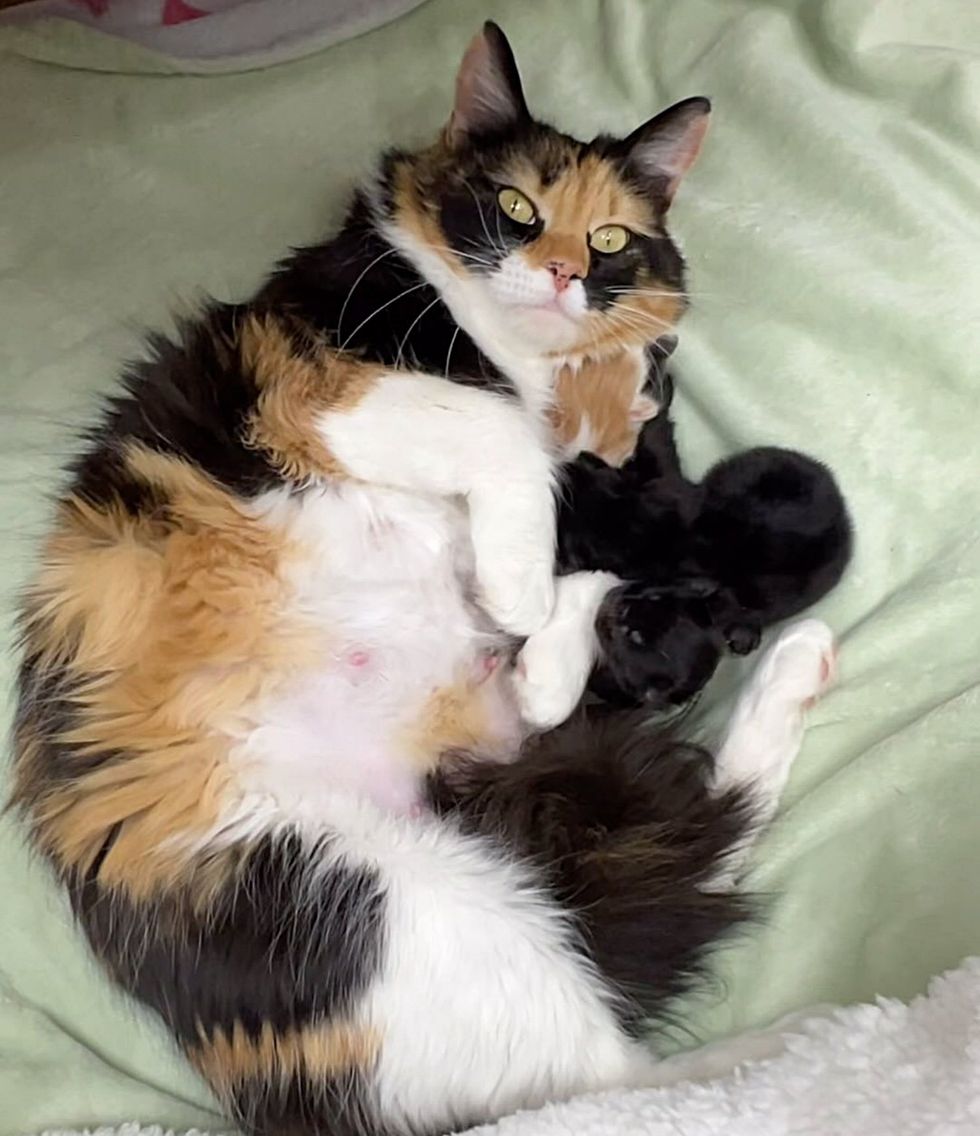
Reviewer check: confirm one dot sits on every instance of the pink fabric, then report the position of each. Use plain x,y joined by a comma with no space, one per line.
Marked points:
172,11
220,30
177,12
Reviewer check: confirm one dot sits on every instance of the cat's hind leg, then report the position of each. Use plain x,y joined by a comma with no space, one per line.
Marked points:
765,731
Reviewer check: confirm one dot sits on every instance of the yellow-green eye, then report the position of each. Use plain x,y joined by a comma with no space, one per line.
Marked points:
610,238
516,206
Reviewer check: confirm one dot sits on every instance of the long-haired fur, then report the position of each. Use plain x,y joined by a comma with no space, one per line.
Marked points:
251,642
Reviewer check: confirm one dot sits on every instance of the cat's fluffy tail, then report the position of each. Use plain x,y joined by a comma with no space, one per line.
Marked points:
621,820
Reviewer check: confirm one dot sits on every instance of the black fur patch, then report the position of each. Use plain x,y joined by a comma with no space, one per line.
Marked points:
359,293
619,819
336,1107
189,398
706,566
286,942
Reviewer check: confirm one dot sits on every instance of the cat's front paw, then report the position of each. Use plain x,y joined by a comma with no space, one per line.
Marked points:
514,548
518,598
554,664
547,682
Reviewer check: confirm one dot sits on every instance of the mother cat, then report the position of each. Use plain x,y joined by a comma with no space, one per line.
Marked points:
253,625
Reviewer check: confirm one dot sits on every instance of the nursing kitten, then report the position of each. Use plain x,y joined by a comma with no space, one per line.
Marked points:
706,566
252,641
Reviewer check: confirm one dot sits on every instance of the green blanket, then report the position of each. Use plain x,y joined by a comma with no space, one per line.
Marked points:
833,230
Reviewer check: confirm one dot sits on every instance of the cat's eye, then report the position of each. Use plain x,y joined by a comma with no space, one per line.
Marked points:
516,206
610,238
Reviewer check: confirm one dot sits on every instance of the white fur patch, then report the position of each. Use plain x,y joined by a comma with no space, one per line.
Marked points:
483,1003
422,434
384,575
765,732
556,662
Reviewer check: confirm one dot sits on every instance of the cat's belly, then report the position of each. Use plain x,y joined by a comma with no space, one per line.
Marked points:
382,579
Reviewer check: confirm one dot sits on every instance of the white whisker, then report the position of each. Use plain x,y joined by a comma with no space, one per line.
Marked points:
387,304
343,308
411,327
483,221
452,344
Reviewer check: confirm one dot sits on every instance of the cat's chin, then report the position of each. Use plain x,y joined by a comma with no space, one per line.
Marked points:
545,327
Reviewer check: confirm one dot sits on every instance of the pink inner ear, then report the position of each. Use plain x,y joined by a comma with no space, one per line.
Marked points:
687,150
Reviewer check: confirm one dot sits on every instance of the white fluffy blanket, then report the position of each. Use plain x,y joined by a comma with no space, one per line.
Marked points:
873,1070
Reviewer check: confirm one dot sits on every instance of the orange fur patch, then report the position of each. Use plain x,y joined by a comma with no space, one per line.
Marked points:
595,401
584,196
319,1053
453,718
415,210
162,632
633,321
293,389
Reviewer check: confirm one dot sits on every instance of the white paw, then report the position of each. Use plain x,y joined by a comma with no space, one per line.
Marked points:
766,729
514,548
554,665
518,598
548,683
800,664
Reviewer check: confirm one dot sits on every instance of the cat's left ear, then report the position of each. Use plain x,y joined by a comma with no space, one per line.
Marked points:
489,97
662,150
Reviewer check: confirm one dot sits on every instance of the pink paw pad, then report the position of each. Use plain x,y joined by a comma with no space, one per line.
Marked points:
828,673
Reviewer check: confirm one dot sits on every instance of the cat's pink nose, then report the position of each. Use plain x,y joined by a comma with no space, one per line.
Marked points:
564,272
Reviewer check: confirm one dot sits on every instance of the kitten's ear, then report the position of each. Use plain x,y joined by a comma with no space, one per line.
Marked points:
489,98
662,150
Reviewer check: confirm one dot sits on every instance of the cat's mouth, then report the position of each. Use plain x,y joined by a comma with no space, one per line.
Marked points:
553,307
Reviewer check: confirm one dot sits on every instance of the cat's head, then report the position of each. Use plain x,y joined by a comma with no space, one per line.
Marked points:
562,242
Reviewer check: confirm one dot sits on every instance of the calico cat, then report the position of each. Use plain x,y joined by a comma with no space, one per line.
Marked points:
253,651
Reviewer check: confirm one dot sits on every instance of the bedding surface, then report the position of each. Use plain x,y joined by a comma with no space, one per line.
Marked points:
833,231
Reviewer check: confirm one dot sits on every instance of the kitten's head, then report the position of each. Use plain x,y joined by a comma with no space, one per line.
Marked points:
562,242
658,646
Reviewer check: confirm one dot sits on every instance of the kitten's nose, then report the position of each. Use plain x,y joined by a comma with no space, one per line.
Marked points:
564,272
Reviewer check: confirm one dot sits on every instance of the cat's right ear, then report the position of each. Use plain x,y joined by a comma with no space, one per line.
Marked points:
489,98
662,150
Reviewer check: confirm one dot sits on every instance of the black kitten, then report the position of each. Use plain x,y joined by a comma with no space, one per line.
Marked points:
706,567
